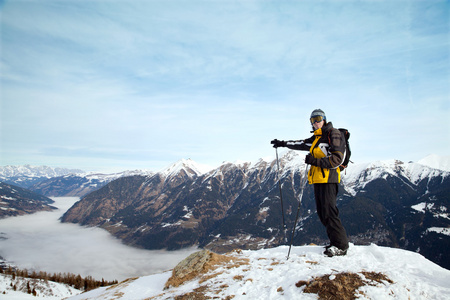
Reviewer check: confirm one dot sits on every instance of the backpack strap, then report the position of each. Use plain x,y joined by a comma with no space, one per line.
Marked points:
341,166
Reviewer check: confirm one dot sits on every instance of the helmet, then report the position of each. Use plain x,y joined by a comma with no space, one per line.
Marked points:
317,113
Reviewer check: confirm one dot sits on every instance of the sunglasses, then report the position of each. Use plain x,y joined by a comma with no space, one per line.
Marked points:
316,119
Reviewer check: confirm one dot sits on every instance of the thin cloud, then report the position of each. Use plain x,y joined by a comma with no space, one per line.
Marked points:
198,78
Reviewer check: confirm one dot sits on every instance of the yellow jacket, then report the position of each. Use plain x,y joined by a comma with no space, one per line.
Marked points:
327,146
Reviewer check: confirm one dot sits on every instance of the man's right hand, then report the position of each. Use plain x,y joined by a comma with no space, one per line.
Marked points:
276,143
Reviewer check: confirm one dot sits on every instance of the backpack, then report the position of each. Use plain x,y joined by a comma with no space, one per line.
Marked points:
347,152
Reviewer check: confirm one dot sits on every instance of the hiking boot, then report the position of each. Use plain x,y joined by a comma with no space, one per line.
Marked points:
335,251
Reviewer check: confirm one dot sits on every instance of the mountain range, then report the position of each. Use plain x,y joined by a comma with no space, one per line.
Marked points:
16,201
237,205
80,184
60,182
25,189
27,175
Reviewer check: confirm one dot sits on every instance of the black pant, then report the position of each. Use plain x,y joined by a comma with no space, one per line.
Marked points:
325,194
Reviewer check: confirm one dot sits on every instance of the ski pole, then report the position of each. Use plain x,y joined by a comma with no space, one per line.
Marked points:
281,196
302,183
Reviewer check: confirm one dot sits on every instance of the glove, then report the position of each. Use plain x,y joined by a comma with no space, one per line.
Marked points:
276,143
310,160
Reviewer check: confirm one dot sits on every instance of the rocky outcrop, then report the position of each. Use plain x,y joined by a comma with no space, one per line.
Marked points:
196,264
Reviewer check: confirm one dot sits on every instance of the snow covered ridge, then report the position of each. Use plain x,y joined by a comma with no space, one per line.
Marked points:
28,171
63,182
436,162
26,176
354,178
290,160
100,177
35,171
358,175
45,180
367,272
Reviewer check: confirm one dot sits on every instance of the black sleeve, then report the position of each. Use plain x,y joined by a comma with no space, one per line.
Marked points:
303,145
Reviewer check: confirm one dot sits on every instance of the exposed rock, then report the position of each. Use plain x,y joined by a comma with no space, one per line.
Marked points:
343,285
195,264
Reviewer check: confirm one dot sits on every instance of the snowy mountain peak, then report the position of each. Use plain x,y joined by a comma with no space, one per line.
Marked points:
292,161
190,167
294,157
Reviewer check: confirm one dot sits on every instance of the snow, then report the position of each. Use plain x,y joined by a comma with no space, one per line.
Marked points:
445,231
437,211
264,209
91,176
421,206
185,164
436,162
189,213
35,171
163,225
45,289
292,161
357,176
133,289
269,275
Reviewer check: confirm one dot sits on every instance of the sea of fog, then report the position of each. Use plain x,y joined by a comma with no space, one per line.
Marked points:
41,242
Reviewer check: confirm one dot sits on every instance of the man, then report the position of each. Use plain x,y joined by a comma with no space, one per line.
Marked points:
327,148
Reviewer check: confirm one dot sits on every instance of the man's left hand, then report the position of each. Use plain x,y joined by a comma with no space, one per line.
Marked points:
310,160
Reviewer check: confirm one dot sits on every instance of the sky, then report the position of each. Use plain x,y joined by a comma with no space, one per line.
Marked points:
116,85
41,242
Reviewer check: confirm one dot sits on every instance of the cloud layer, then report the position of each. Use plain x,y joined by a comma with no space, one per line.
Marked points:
40,242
